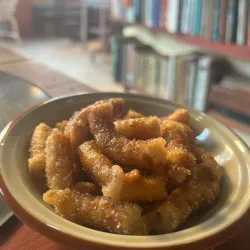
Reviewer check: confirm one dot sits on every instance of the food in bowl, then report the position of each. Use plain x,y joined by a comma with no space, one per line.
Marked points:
137,175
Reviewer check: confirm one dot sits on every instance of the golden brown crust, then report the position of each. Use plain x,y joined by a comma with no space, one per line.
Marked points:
201,189
77,129
108,215
179,115
139,128
60,164
88,188
62,125
36,162
101,169
133,114
148,154
141,188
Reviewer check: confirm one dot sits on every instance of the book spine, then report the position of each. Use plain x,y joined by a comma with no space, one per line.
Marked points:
242,22
191,80
172,16
156,13
185,15
157,76
231,21
115,48
202,83
137,6
223,11
163,74
148,16
170,93
204,12
248,34
191,17
163,13
197,17
209,20
216,20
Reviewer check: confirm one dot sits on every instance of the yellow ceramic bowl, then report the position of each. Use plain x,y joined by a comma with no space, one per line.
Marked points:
206,230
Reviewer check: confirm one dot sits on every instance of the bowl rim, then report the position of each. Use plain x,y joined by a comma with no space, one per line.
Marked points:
71,240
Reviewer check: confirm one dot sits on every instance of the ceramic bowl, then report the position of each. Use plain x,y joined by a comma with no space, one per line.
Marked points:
206,230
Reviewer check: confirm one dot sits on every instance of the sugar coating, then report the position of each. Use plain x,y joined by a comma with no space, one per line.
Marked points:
148,154
87,188
133,114
77,129
97,212
101,169
139,128
201,189
62,125
36,163
179,115
61,167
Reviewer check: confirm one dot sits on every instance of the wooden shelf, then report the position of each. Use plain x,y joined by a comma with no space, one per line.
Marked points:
232,50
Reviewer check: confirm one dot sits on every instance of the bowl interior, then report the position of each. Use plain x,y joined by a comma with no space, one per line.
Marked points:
226,147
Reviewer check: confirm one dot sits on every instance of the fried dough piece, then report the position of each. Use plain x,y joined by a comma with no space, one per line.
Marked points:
148,154
60,167
87,188
178,137
179,115
133,114
36,162
97,212
139,128
140,188
101,169
201,189
62,125
77,129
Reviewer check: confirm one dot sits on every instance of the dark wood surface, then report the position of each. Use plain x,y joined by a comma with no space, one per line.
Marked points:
16,236
234,50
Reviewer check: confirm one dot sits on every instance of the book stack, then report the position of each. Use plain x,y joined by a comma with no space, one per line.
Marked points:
225,21
182,77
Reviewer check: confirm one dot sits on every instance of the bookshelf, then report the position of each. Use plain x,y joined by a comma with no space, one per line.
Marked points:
233,50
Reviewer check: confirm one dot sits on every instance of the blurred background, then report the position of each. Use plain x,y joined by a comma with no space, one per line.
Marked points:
193,52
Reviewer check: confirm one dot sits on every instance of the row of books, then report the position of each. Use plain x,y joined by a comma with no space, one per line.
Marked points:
182,78
219,20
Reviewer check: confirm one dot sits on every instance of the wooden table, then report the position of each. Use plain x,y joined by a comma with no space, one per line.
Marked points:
16,236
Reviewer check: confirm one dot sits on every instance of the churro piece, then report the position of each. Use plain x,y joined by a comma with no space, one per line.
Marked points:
60,163
148,154
178,137
97,212
36,163
179,115
88,188
101,169
201,189
133,114
77,129
62,125
139,128
141,188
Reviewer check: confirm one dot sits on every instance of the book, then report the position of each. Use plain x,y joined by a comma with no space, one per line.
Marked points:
231,21
149,13
191,17
191,79
216,20
202,83
163,76
181,83
196,17
137,6
115,50
172,16
163,14
242,22
209,21
157,75
223,11
204,15
185,16
170,88
156,10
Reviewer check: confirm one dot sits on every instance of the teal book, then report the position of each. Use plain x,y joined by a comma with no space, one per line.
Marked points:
216,20
196,17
